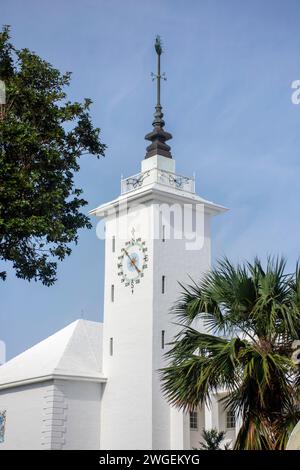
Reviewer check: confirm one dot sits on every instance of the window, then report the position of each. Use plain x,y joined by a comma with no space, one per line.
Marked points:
230,419
163,233
163,284
113,244
112,293
193,420
111,346
2,425
163,339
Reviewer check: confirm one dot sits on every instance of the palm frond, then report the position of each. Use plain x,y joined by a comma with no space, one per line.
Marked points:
254,434
199,365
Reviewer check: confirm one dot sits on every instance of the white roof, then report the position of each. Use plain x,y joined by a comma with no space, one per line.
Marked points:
75,352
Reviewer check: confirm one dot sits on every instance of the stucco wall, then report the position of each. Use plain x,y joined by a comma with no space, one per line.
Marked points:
58,414
176,263
127,397
82,424
24,412
230,432
196,434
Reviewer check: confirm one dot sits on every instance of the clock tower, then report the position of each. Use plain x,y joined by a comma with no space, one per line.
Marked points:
157,234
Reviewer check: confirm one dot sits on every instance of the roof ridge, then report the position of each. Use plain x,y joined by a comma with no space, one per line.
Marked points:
75,323
91,347
80,323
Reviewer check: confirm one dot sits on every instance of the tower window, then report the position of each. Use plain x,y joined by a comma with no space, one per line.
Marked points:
2,425
193,420
230,419
163,339
163,233
163,284
113,244
111,346
112,293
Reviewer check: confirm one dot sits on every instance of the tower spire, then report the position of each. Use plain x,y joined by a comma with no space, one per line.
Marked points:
158,136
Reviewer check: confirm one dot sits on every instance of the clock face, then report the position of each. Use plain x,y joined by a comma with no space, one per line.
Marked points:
132,262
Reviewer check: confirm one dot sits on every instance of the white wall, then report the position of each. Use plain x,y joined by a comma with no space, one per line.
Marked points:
176,263
196,434
24,412
58,414
83,418
127,397
230,432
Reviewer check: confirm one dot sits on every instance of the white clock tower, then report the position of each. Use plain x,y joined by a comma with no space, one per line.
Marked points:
157,235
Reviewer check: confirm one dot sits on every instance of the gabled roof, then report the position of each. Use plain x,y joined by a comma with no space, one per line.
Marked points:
75,352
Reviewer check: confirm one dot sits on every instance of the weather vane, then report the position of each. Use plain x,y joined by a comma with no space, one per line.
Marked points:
158,76
158,136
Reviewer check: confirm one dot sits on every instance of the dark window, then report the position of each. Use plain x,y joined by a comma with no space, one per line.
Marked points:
163,284
230,419
111,346
112,293
113,244
163,339
2,425
193,420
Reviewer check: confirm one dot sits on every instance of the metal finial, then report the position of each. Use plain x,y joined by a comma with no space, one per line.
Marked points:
158,136
158,45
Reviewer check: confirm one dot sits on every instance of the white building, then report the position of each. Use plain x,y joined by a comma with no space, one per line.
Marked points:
96,386
52,392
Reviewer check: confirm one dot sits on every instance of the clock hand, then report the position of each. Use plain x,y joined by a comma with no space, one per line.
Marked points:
138,270
132,261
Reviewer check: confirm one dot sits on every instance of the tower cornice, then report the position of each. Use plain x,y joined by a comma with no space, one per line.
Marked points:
156,194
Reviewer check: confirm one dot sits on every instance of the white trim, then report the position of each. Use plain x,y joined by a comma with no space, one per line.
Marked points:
44,378
153,193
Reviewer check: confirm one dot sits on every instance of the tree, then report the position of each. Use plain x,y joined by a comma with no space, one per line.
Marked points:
252,317
42,137
212,439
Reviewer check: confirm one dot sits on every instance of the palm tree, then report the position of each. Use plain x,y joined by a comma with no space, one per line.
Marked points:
252,317
212,439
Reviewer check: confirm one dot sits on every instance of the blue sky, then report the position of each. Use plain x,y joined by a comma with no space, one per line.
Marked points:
227,102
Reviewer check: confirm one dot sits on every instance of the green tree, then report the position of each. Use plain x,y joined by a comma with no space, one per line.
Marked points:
252,317
212,439
42,137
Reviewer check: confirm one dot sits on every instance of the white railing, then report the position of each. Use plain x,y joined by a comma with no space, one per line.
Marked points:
167,178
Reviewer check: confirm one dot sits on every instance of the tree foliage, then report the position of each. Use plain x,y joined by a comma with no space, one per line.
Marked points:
212,439
252,318
42,137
